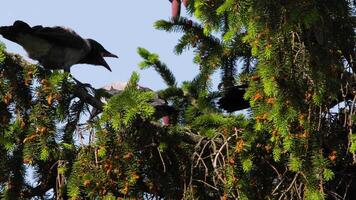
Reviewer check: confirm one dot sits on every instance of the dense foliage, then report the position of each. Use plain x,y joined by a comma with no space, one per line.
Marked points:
297,141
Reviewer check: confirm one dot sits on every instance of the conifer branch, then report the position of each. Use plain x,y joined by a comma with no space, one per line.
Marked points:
194,35
152,60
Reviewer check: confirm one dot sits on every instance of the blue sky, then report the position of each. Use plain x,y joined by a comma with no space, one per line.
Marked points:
120,26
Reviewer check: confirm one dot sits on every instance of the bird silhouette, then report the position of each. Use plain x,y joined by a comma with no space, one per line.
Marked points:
233,99
56,47
161,106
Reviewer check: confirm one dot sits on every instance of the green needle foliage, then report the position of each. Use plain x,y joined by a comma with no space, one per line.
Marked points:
297,141
152,60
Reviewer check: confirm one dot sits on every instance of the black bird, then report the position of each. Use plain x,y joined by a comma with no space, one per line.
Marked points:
56,47
233,99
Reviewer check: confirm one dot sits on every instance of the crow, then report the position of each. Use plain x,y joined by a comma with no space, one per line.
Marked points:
56,47
162,109
233,99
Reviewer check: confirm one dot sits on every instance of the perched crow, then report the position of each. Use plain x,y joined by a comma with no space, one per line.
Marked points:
163,110
233,99
56,47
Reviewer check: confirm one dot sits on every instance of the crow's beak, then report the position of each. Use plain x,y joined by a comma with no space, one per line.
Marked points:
108,54
104,63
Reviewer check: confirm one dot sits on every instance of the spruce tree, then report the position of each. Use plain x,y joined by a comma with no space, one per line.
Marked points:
296,141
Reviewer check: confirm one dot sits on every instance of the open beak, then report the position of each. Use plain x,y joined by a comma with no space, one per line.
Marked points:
108,54
104,63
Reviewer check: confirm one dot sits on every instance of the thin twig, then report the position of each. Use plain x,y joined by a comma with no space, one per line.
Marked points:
276,188
207,184
291,185
160,155
274,168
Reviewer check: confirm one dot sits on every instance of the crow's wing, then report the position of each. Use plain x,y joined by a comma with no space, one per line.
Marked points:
60,36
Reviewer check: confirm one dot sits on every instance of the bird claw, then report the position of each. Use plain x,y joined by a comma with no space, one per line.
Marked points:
82,85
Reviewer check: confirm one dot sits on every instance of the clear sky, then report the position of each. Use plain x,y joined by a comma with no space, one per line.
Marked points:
120,26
